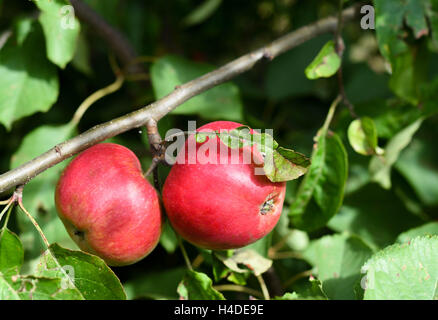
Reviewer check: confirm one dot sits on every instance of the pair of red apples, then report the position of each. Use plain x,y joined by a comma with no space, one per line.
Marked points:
110,210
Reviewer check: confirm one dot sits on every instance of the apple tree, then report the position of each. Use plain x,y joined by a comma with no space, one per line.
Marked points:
335,102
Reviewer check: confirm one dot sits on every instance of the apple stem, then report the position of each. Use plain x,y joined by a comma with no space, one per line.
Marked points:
263,287
8,205
184,253
237,288
36,225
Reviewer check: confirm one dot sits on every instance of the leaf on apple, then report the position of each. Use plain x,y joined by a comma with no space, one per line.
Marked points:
280,164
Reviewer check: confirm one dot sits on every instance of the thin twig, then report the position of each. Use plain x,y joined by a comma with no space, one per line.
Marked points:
198,261
340,48
6,208
263,287
96,96
297,277
36,225
113,37
285,255
237,288
162,107
184,253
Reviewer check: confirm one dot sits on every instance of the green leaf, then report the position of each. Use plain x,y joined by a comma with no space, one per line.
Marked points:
313,292
11,251
406,271
390,16
321,192
155,285
380,166
418,164
202,12
325,64
285,78
28,81
376,215
280,164
428,229
168,238
61,30
86,273
249,258
362,135
81,59
38,195
14,286
221,102
409,69
338,260
198,286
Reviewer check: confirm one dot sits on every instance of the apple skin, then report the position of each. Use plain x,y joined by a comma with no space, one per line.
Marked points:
108,208
218,206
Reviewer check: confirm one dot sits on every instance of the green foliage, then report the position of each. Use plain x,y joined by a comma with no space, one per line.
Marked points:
380,166
28,81
321,192
222,101
325,64
198,286
61,30
338,260
358,222
82,272
362,134
404,272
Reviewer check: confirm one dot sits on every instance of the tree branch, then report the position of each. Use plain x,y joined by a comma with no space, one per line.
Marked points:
158,109
113,37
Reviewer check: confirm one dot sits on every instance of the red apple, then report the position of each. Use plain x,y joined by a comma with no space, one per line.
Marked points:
217,205
107,206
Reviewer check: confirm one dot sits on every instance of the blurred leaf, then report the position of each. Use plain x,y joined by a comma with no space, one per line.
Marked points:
22,28
202,12
380,166
11,251
374,214
408,69
61,30
406,271
155,285
285,77
428,229
362,135
338,260
325,64
38,194
168,238
221,102
253,261
86,273
321,192
81,59
417,163
390,16
313,292
197,286
28,81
